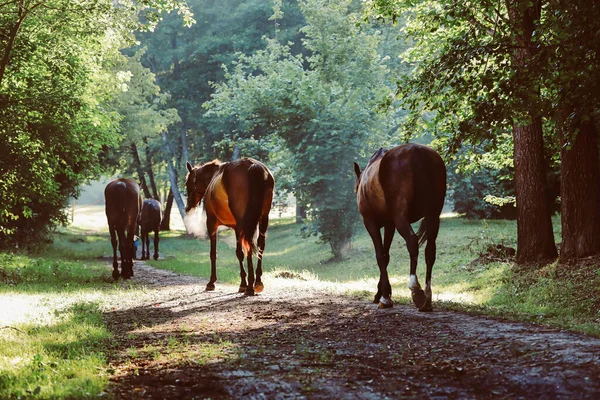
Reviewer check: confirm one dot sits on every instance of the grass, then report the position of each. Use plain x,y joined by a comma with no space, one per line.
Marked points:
53,340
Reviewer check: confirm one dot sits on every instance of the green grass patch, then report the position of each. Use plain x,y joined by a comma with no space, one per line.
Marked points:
53,341
62,359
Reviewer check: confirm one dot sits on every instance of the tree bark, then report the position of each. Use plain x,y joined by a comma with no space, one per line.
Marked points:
140,170
535,238
185,157
155,194
580,192
165,224
173,179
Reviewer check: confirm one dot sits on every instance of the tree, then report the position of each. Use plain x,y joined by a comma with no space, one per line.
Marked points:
321,111
487,68
56,86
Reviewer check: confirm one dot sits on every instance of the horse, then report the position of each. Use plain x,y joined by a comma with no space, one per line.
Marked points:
123,206
237,194
397,188
150,219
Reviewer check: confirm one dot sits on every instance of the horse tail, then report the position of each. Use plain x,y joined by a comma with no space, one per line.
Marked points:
424,190
256,196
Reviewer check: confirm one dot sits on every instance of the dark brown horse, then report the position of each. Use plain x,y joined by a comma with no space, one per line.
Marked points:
397,188
123,205
150,219
236,194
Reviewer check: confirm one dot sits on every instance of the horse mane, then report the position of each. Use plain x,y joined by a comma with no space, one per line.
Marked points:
378,154
216,162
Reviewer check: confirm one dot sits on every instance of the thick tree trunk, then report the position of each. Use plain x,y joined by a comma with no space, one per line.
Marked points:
580,193
300,212
140,170
165,224
535,239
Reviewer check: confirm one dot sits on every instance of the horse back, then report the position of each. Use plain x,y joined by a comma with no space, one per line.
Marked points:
228,193
413,178
123,202
151,215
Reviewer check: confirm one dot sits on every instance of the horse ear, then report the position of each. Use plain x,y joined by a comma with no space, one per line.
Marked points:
189,166
357,170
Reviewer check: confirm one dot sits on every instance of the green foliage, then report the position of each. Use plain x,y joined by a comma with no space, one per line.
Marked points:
56,83
483,194
324,114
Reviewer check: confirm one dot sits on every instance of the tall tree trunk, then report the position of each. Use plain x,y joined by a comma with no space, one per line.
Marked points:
580,192
140,170
183,126
150,172
535,239
185,157
173,178
165,224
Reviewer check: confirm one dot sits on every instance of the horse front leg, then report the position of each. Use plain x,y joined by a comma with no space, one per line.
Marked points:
263,224
433,226
113,241
211,225
250,289
239,252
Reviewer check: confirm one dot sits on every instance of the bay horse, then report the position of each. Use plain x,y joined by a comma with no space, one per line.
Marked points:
237,194
150,219
123,206
397,188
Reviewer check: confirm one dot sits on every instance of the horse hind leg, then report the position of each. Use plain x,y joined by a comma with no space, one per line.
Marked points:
412,244
114,242
263,225
433,226
239,252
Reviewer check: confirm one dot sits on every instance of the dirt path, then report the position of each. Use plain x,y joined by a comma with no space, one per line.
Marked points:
293,341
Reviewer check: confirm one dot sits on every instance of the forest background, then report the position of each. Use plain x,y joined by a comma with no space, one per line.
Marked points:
506,91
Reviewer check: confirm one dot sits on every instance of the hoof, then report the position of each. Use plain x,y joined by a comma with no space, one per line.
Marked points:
242,289
385,303
376,299
418,298
115,274
155,257
210,287
249,292
258,287
426,308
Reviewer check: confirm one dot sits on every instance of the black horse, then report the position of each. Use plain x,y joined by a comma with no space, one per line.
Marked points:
399,187
150,219
123,206
236,194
